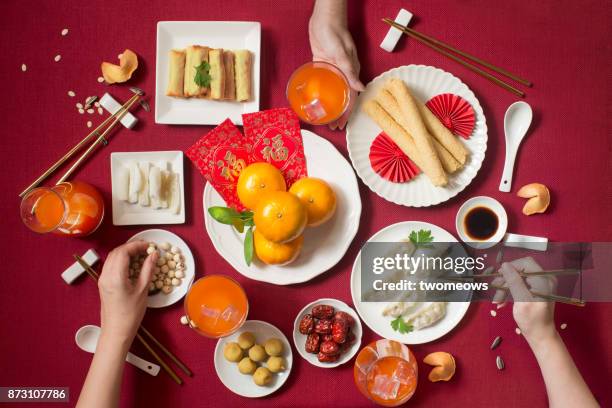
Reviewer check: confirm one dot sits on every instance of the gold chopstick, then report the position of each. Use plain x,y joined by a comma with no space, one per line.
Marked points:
101,139
94,275
76,148
466,64
549,296
523,274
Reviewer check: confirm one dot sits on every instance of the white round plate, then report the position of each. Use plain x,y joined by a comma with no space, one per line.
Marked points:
158,236
242,384
425,82
324,245
299,339
370,312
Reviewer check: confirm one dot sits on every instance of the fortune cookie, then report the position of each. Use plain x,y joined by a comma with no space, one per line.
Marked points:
538,195
128,62
444,366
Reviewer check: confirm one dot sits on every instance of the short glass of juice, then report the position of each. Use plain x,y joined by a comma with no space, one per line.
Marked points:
216,306
386,372
71,208
318,92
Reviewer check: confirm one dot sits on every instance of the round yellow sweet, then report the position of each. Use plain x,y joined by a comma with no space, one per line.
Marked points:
276,364
246,340
274,347
257,353
262,376
247,366
232,352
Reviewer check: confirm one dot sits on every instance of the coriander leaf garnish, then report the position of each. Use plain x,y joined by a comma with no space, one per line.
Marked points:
421,238
202,77
399,325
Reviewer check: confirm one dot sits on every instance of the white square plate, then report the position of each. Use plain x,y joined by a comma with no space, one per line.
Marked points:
231,35
125,213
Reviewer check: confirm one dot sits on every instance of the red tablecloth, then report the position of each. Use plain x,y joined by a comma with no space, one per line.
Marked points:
563,47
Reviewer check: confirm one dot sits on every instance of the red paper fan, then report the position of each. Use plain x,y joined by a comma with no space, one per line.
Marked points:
390,162
454,112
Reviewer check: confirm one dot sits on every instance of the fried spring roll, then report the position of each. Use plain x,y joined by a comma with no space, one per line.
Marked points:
396,132
177,73
243,75
432,166
229,92
195,55
388,103
443,135
217,73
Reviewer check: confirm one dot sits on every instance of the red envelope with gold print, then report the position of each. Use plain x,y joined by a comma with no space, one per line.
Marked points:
220,156
275,138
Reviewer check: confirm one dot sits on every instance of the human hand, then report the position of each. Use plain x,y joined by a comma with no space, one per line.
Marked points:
534,317
330,41
124,299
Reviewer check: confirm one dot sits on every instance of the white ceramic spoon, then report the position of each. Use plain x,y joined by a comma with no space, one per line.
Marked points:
516,123
87,340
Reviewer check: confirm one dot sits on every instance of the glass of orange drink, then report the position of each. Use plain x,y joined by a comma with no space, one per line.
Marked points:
216,306
318,92
386,372
71,208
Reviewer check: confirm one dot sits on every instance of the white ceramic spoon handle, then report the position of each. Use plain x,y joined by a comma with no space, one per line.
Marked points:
506,180
144,365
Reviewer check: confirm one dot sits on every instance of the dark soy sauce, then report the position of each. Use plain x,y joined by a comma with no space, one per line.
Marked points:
481,223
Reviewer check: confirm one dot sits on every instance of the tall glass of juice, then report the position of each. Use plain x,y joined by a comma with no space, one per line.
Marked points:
216,306
386,372
71,208
318,92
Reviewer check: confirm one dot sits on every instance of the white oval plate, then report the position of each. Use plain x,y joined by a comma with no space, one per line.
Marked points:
242,384
324,245
158,236
426,82
299,339
370,312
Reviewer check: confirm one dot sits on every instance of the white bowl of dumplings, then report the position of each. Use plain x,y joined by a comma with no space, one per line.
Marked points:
147,188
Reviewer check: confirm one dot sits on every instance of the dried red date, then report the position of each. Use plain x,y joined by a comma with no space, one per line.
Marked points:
350,340
339,315
329,348
327,337
312,343
328,358
323,326
323,311
339,330
307,324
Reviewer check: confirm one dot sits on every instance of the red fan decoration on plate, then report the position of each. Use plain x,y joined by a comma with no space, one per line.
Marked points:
390,162
455,113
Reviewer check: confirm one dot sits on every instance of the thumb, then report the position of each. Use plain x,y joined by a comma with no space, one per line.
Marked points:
518,288
147,270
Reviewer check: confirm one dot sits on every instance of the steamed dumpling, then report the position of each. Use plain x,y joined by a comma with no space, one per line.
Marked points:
428,315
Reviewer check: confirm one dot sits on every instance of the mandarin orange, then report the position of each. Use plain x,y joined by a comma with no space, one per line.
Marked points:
257,179
273,253
280,216
318,198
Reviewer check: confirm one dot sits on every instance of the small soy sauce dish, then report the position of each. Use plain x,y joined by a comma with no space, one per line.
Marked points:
481,222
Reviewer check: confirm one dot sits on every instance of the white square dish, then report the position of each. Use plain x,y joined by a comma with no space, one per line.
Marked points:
125,213
230,35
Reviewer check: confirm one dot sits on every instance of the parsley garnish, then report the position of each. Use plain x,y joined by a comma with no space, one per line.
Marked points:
202,77
421,238
399,325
